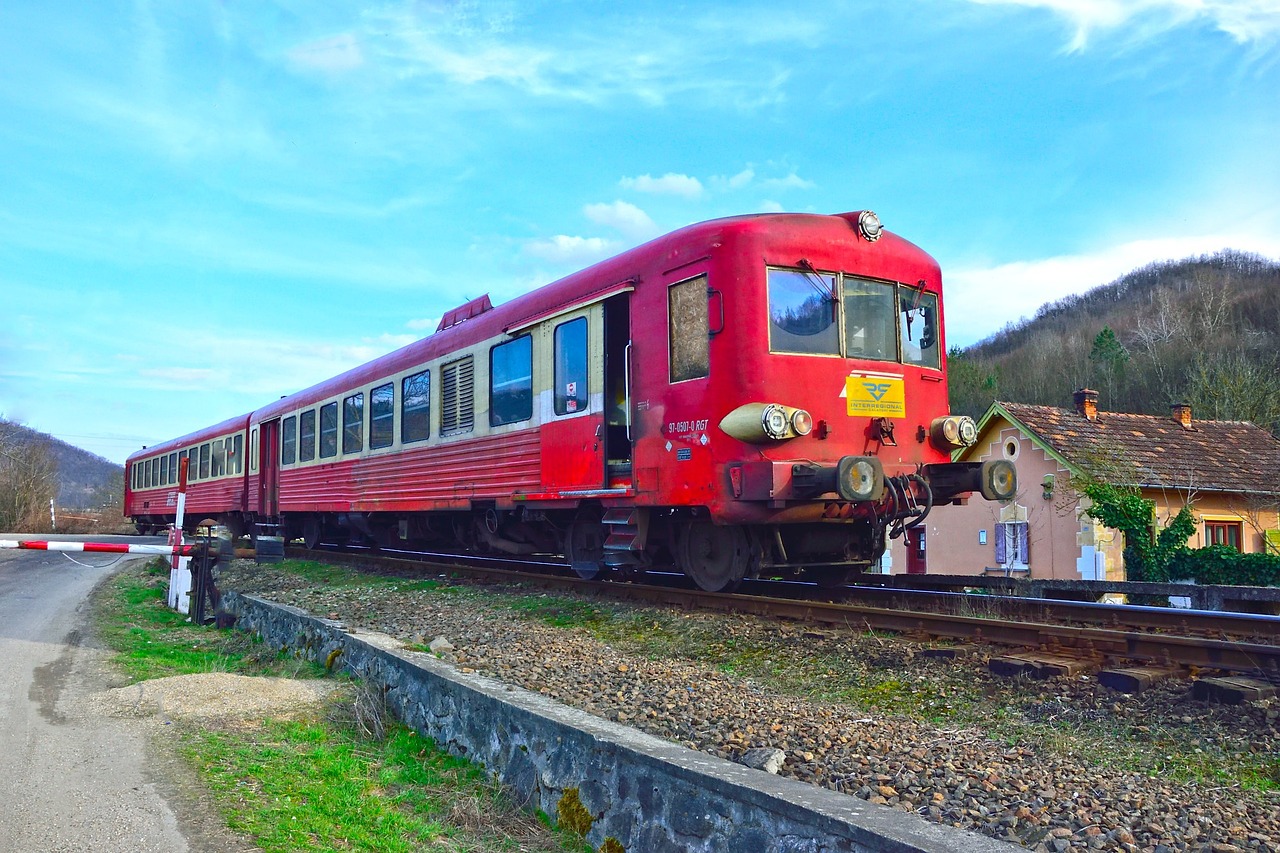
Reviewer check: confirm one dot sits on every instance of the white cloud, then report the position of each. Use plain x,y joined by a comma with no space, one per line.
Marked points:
1243,20
981,301
790,182
626,218
668,184
579,251
331,55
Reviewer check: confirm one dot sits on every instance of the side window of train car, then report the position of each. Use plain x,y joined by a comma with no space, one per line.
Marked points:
803,313
235,461
690,341
218,462
329,430
511,381
571,367
382,415
253,449
204,461
288,440
458,397
182,455
919,327
415,407
146,473
307,436
353,423
164,470
173,469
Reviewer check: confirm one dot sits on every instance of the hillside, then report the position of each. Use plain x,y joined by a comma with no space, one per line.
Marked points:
1204,331
84,480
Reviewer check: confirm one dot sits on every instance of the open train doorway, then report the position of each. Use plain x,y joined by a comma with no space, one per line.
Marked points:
617,391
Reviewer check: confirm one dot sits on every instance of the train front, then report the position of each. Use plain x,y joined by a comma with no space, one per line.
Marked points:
839,401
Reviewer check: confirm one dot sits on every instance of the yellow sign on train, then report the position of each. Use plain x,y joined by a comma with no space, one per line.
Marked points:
876,395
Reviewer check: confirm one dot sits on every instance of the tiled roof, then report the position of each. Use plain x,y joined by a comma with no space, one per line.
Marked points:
1157,451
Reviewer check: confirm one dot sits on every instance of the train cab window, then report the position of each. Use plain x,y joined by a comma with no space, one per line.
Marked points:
382,413
288,440
235,456
803,312
571,367
173,468
307,436
204,462
690,342
218,462
919,327
415,407
869,322
511,381
353,423
458,397
329,430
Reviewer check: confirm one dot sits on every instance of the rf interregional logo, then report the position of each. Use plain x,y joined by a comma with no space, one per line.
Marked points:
877,395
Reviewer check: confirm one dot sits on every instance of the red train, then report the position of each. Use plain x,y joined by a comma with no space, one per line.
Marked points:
758,395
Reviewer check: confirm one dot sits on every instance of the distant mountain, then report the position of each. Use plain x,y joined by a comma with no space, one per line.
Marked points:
1203,330
84,480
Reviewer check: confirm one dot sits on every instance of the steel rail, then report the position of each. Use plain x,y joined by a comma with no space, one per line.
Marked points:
1118,643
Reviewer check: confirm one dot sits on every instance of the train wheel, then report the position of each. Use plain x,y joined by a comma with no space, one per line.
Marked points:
311,532
717,558
584,546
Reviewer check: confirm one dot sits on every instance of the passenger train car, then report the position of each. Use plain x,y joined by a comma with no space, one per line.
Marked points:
761,395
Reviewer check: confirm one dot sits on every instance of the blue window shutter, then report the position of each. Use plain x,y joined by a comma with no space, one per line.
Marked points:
1024,543
1001,549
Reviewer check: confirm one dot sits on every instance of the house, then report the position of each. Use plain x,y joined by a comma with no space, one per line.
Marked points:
1229,470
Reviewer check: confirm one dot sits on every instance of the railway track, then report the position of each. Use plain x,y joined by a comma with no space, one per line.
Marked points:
1094,633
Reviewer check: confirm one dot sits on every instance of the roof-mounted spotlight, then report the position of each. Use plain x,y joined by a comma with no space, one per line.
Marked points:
869,226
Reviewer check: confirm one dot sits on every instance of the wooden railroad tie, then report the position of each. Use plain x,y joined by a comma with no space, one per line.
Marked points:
1231,689
1135,679
1038,665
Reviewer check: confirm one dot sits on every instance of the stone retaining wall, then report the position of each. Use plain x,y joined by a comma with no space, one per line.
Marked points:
624,789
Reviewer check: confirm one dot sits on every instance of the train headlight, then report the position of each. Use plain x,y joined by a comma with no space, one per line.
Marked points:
869,225
761,423
999,480
953,432
775,421
860,478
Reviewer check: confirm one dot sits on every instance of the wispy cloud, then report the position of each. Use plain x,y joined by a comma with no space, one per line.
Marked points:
1243,20
668,184
626,218
332,55
564,249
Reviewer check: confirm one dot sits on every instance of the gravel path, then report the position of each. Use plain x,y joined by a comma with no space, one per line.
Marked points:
1049,766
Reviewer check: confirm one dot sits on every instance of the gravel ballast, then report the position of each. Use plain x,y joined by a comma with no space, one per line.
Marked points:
1052,766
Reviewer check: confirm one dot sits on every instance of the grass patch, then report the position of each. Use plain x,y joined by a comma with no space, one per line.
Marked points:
351,779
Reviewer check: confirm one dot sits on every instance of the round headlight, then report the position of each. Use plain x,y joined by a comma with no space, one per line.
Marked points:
968,431
801,422
999,480
860,478
869,225
774,421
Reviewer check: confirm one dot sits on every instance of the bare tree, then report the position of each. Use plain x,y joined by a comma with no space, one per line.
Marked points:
28,482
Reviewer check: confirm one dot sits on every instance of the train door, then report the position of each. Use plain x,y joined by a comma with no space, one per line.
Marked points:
269,465
617,391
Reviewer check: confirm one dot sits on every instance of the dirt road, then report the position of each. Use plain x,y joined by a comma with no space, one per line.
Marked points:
71,780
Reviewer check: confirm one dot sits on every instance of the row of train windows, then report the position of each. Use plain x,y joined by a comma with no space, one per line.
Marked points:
319,432
211,459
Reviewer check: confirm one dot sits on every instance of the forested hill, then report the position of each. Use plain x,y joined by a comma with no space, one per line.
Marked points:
1204,331
81,480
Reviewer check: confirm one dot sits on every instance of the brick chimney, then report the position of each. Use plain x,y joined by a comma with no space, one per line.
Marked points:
1182,413
1086,400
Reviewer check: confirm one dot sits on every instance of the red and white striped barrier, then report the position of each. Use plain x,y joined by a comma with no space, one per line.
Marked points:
100,547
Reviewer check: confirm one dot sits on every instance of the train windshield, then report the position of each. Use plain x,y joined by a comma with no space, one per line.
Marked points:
840,314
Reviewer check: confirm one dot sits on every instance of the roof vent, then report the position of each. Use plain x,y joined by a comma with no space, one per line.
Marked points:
462,313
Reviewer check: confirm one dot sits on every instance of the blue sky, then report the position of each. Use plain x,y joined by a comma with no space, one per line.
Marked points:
204,206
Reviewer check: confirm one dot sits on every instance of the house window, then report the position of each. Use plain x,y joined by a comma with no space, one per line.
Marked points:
1223,533
1013,545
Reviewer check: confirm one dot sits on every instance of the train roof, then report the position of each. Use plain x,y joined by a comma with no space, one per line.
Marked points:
230,425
